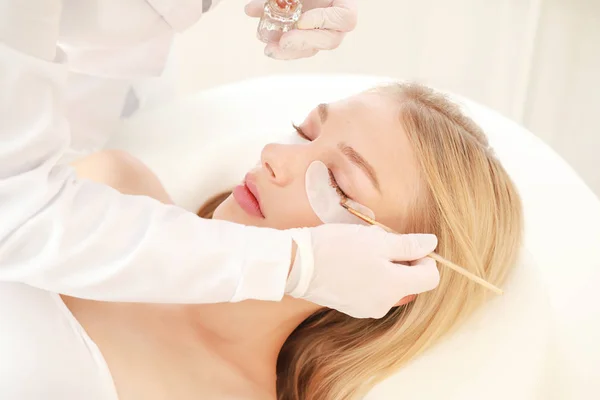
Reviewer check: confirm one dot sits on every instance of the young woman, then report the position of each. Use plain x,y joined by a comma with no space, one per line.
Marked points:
405,152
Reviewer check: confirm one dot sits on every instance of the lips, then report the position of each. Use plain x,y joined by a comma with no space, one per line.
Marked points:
246,195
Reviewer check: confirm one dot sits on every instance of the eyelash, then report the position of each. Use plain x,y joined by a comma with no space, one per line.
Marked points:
332,182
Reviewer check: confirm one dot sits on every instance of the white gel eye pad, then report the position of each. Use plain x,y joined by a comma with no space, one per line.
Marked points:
325,200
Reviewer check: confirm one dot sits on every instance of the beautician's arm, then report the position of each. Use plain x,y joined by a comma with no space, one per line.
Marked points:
87,240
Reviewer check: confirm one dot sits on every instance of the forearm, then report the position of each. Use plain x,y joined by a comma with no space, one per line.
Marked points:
90,241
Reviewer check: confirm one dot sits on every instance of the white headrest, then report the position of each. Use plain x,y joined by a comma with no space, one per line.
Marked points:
545,324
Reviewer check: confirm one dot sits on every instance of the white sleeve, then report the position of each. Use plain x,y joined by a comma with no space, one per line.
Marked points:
87,240
115,51
113,48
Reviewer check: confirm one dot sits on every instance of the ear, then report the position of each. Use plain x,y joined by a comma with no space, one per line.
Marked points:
406,300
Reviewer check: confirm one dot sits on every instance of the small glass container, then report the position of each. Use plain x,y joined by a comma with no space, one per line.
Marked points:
279,17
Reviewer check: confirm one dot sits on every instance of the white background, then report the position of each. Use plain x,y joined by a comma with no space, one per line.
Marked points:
535,61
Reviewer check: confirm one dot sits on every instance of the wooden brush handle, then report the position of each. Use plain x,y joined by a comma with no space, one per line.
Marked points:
439,259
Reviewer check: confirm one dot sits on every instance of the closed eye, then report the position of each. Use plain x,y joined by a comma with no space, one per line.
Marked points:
338,189
300,132
332,180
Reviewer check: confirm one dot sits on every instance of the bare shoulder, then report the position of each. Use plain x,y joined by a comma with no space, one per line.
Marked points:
123,172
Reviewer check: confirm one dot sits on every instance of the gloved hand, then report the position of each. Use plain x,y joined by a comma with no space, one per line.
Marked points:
322,26
349,268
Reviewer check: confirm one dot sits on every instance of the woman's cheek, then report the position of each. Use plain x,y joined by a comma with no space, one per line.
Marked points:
294,215
307,217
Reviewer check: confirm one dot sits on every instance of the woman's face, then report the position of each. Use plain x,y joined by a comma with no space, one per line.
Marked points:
361,141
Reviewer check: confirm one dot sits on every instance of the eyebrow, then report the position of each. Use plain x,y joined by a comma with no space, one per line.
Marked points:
358,160
323,112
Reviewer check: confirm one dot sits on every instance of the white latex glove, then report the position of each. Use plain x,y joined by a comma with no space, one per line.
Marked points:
322,26
349,268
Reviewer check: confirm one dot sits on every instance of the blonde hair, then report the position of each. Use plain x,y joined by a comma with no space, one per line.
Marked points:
471,204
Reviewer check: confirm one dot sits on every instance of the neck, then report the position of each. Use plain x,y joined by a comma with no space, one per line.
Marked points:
250,334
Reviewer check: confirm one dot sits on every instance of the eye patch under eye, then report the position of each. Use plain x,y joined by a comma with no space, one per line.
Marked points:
325,200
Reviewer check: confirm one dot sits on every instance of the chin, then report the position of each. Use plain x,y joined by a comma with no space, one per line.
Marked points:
230,211
223,211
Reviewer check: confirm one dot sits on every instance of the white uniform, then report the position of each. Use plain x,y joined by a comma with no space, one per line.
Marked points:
58,235
46,353
84,239
112,45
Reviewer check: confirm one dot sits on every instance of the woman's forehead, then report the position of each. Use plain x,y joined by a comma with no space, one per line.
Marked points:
364,102
371,124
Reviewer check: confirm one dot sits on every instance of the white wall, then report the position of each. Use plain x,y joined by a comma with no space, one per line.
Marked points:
536,61
564,95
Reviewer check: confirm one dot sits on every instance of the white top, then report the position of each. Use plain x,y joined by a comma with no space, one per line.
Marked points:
46,354
61,235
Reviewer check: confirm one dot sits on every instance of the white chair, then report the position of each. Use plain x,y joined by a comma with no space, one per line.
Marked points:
538,341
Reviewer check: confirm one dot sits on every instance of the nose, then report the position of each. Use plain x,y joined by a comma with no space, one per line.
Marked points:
278,160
